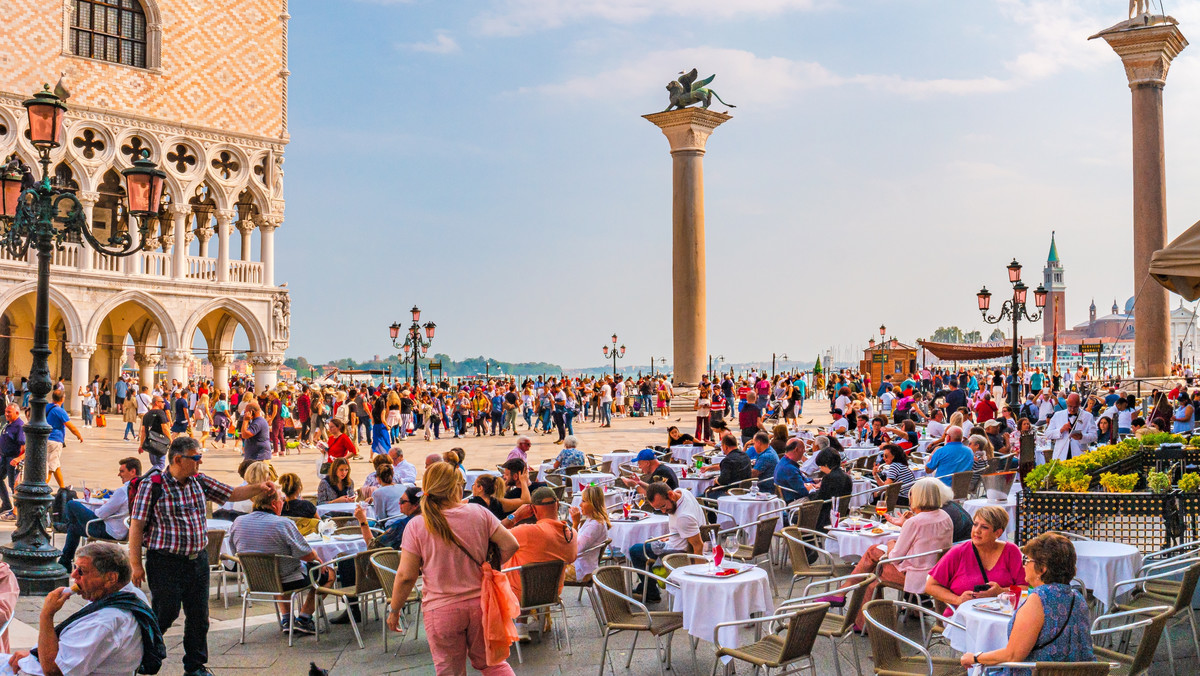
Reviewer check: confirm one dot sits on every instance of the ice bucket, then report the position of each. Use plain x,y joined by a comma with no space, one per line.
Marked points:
998,485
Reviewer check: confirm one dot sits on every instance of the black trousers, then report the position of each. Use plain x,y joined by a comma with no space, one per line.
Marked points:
177,581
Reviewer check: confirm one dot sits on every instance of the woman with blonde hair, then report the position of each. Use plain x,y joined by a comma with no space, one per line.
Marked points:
202,419
446,546
592,522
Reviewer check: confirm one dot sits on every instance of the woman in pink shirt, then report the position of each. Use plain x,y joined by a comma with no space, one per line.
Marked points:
928,529
983,567
446,545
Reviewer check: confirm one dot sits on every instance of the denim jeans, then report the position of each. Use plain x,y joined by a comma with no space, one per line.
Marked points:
8,484
570,418
129,430
528,417
644,554
77,516
606,413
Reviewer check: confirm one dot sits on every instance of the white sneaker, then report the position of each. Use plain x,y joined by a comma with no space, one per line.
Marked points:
522,632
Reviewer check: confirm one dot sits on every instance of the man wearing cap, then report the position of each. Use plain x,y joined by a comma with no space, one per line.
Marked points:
840,424
544,539
652,470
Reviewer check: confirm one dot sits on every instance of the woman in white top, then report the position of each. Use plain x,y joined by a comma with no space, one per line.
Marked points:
591,520
202,418
703,408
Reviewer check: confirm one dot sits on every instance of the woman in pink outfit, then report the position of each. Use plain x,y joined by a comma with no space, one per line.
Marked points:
9,591
446,545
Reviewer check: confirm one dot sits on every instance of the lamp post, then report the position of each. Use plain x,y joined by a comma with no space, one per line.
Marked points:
42,215
720,360
782,356
617,353
1016,309
413,345
662,362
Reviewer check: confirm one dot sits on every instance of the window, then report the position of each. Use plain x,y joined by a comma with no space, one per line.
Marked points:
110,30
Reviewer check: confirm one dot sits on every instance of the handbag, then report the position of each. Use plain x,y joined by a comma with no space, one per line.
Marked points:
156,443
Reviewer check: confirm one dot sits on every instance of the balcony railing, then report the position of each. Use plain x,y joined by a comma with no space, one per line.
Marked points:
245,272
152,264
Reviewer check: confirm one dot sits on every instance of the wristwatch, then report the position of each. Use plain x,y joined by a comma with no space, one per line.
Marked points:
975,659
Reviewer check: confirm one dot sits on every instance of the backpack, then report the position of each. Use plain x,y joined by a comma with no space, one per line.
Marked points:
58,510
156,489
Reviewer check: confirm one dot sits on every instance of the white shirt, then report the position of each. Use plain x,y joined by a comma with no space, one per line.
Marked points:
106,642
935,429
1124,419
605,394
114,512
885,402
840,425
143,403
406,473
1064,445
685,522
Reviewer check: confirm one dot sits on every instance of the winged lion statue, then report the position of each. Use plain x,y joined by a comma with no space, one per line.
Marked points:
686,91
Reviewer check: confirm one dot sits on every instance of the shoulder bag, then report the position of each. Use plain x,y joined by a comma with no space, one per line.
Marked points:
499,604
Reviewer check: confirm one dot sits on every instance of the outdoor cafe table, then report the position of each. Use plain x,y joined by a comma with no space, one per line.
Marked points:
856,452
745,509
985,631
861,498
625,534
705,602
338,545
473,474
857,542
612,497
340,508
684,453
1101,565
695,482
618,458
589,478
1009,505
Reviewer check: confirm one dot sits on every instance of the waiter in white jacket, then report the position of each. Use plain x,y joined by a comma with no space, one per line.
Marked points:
1071,429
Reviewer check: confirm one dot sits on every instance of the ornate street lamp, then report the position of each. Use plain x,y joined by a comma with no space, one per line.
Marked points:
1015,309
617,353
36,213
413,345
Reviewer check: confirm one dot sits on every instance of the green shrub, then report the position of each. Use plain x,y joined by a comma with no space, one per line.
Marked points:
1158,482
1190,482
1118,483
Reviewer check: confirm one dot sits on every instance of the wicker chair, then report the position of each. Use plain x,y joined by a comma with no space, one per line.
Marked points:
216,564
799,544
886,642
760,551
1153,620
777,650
264,584
341,520
540,592
679,560
837,627
386,562
960,483
621,612
366,587
1180,601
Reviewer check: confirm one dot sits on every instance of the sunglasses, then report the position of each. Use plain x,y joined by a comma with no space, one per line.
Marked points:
193,458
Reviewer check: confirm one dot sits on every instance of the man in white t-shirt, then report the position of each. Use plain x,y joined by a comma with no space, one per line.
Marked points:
143,401
606,405
936,427
684,518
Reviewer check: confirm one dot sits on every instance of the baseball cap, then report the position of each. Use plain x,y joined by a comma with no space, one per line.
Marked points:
645,454
543,496
837,411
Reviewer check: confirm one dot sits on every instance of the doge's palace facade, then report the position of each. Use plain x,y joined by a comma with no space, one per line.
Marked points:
202,86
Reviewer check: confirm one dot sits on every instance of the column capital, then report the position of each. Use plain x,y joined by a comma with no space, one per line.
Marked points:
81,350
88,198
176,357
266,360
689,128
224,217
1146,48
204,233
218,359
177,210
269,222
246,225
146,360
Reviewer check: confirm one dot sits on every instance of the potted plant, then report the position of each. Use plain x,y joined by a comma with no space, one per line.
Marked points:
1118,483
1158,482
1190,482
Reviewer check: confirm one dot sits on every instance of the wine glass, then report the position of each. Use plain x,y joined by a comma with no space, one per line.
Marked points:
880,510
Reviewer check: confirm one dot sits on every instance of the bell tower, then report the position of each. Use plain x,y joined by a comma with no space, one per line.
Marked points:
1056,292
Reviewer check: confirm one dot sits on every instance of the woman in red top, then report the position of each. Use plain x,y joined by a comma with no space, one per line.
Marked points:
340,444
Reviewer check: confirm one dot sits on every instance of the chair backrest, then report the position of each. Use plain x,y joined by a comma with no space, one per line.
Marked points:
348,530
885,648
608,579
798,550
539,583
843,506
679,560
1151,634
809,512
560,492
763,535
605,466
262,572
892,494
1070,669
1187,588
215,539
738,491
572,470
342,520
365,579
855,592
708,531
386,562
554,479
801,633
960,483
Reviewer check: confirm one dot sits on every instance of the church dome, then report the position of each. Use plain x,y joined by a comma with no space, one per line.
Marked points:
1129,306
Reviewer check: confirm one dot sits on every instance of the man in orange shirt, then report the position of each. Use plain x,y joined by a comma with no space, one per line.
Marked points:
547,539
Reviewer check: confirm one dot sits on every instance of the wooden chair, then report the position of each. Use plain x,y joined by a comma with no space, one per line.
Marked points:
386,562
960,483
540,593
886,642
263,583
621,612
780,649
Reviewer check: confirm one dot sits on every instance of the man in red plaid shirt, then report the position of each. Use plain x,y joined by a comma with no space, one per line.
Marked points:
167,515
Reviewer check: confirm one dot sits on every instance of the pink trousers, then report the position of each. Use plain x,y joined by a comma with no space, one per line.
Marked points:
455,632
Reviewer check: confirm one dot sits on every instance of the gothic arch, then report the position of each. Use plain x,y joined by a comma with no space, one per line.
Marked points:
148,303
153,33
250,323
58,299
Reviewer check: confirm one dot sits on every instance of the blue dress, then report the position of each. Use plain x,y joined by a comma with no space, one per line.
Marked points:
1074,644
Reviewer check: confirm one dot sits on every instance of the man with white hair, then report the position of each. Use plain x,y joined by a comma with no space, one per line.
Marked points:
521,450
951,458
1071,429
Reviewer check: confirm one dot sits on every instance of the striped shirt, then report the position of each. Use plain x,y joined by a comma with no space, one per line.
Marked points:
262,532
179,524
899,473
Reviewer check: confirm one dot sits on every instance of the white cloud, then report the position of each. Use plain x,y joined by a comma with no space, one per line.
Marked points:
514,17
441,43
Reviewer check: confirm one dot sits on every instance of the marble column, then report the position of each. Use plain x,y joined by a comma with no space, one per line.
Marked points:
266,369
81,358
204,231
1146,46
176,361
246,227
146,363
687,131
224,220
88,200
220,363
132,264
179,215
266,247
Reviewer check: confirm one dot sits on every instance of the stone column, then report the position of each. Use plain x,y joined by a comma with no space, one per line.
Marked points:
246,227
1146,51
179,214
224,220
204,231
88,200
687,131
176,365
266,247
220,363
81,357
266,369
146,363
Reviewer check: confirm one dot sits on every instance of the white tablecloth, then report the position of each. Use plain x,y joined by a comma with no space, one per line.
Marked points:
589,478
684,453
861,485
1010,505
1101,565
985,631
338,546
473,474
859,452
745,510
338,508
612,498
706,602
696,483
856,543
618,458
625,534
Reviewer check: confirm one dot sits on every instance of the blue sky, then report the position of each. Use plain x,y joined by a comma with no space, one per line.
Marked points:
488,162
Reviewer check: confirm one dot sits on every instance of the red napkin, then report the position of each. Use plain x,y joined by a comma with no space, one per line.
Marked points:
725,572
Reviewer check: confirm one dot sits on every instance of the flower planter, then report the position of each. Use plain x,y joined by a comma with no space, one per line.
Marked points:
1148,521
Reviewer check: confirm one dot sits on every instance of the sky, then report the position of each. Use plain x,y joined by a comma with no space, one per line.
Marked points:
487,161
